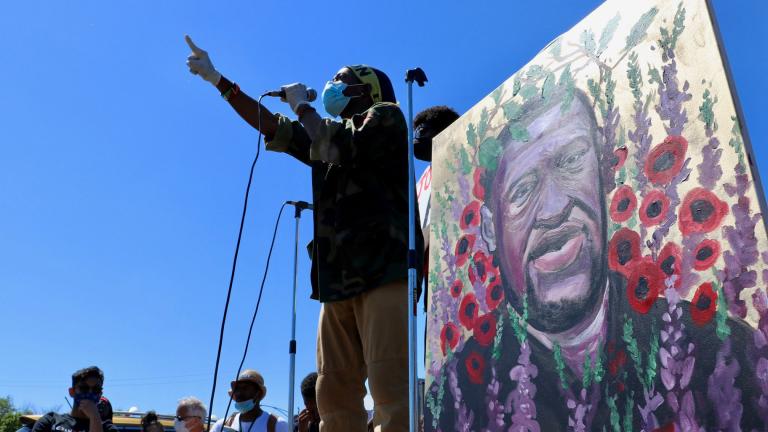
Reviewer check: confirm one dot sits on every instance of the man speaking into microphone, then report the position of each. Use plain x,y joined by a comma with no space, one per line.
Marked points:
359,269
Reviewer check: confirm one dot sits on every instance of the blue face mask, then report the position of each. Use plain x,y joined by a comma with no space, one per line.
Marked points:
334,99
245,406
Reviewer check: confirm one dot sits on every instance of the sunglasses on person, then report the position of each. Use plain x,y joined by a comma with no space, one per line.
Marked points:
85,388
184,418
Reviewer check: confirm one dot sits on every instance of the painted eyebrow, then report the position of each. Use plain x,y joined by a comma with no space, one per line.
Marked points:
528,174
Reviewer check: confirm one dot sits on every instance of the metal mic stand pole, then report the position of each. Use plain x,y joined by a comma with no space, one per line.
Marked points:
298,206
410,76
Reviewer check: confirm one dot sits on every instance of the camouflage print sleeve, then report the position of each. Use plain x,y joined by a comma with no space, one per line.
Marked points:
291,138
364,139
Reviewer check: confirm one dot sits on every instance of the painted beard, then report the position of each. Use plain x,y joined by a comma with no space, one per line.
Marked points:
556,315
565,259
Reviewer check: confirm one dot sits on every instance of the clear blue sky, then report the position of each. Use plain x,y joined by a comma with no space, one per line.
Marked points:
122,175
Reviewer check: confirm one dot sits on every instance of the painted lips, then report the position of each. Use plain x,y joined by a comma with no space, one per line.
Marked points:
559,253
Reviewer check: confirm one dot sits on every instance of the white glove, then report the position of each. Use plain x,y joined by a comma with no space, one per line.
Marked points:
295,95
200,64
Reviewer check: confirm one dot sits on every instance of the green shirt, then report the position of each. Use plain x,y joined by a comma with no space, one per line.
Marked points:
360,193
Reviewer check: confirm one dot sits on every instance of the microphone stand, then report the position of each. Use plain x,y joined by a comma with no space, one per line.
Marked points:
298,207
420,77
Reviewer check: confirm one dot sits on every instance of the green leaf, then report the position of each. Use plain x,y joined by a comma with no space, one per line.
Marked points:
496,94
586,378
556,47
639,30
650,371
615,419
548,86
721,315
471,136
628,412
489,153
482,125
528,91
655,76
518,132
516,86
567,83
706,110
560,365
535,72
587,40
496,353
635,77
466,165
607,34
512,110
599,371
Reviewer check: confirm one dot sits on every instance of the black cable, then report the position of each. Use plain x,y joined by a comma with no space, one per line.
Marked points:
234,265
258,301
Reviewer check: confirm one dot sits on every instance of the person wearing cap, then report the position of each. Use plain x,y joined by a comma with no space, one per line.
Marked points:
359,253
248,391
87,386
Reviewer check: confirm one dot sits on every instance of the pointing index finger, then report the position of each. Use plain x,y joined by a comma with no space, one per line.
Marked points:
195,49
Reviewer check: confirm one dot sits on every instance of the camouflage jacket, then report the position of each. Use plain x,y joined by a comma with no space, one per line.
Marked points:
360,193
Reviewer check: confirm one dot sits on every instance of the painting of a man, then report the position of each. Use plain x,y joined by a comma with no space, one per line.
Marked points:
558,359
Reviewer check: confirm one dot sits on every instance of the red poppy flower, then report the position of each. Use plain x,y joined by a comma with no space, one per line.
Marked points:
645,283
494,294
449,335
478,190
485,329
705,254
470,216
478,269
468,311
703,304
456,288
475,364
654,208
623,250
463,248
623,204
670,260
665,160
701,211
619,157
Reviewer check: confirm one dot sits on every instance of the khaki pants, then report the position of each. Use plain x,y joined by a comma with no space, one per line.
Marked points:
365,336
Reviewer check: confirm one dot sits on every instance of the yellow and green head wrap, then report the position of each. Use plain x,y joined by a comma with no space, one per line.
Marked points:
381,87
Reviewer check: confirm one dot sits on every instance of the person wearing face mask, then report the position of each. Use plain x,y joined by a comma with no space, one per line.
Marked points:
190,415
248,391
87,386
359,253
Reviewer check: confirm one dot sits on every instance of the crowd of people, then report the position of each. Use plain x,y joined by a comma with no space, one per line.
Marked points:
92,412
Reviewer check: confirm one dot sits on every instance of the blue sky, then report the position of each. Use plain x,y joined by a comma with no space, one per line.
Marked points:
122,175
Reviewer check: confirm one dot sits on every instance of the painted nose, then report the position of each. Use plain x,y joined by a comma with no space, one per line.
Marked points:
553,203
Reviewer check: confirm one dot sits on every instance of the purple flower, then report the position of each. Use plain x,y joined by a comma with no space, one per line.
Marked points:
721,389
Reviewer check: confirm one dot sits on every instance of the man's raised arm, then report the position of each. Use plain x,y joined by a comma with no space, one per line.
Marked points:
200,64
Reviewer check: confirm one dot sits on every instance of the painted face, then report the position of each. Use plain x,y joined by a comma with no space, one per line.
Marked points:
548,217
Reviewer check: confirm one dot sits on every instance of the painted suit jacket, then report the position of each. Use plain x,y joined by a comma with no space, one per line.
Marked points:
466,405
360,194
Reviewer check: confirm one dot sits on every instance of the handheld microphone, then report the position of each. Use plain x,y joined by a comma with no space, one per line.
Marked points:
311,94
302,205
